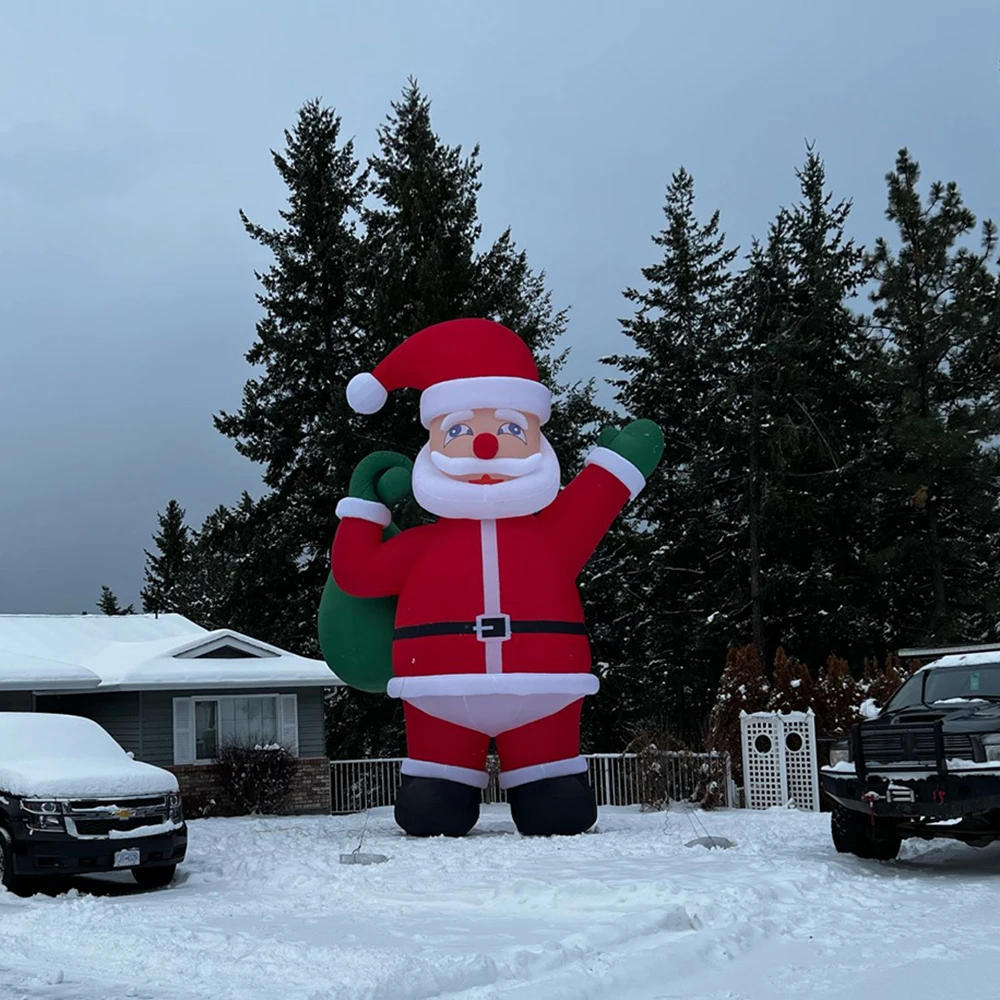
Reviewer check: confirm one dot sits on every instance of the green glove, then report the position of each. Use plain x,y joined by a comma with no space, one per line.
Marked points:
640,442
382,477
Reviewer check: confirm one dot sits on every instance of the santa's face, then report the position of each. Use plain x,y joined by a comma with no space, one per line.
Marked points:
486,463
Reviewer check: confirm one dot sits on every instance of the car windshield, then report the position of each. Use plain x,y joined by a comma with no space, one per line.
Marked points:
981,681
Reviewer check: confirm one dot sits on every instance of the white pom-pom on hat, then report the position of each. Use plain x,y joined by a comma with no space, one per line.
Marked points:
365,394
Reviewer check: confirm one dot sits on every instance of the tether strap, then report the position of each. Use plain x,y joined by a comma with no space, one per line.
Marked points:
469,628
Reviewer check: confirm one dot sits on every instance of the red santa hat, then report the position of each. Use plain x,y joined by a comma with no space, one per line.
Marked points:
464,364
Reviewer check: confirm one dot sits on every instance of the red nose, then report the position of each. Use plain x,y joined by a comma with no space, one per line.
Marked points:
485,446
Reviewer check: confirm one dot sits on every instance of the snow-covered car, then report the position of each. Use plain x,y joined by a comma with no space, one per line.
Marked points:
73,802
927,766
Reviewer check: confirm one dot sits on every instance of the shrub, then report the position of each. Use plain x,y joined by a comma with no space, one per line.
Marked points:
258,778
742,688
649,747
793,689
838,698
880,681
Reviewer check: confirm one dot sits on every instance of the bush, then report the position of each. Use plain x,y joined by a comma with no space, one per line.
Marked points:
793,689
258,778
838,696
742,688
653,774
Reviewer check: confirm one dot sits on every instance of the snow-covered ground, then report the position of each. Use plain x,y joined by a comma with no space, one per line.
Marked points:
263,909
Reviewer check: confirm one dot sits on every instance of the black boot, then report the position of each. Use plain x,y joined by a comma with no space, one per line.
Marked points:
553,806
432,807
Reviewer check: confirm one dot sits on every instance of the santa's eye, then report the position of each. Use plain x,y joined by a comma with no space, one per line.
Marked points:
511,428
457,431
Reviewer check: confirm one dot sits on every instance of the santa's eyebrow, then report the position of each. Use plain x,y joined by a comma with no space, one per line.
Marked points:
455,418
518,418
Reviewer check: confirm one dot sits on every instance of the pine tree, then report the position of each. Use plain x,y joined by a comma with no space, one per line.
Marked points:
802,425
937,305
240,568
165,571
349,282
294,419
109,604
679,379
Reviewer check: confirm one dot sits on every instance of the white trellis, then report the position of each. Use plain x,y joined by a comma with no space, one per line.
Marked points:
779,760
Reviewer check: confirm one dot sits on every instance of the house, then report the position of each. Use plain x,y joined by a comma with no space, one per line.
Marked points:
172,692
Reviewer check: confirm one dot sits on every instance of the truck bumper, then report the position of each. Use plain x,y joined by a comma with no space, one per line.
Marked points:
906,796
65,855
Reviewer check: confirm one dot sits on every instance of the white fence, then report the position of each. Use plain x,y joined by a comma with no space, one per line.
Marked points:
617,780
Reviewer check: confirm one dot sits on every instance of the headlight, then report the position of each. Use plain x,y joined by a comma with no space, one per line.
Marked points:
40,806
840,753
176,808
991,746
43,814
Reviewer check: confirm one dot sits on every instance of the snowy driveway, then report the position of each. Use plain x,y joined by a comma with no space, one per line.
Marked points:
263,909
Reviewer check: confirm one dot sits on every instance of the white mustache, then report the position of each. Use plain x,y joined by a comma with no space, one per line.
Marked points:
486,467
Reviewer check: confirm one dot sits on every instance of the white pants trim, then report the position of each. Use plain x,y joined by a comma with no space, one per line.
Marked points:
450,772
536,772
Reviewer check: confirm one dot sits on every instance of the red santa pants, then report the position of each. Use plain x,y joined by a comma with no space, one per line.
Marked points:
546,748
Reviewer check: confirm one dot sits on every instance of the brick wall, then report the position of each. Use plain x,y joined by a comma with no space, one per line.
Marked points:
200,785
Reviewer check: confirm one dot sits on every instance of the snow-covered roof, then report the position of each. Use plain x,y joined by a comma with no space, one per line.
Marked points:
143,652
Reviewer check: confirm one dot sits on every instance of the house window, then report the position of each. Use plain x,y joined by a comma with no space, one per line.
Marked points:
242,720
203,725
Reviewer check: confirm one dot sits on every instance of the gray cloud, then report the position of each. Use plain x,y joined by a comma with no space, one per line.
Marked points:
130,135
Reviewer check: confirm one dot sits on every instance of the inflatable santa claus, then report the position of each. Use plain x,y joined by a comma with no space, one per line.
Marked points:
488,637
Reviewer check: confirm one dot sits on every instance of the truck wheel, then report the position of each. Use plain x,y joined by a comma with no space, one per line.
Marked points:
154,878
853,833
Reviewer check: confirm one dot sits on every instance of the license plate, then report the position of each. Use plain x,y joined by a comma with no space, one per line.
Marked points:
126,859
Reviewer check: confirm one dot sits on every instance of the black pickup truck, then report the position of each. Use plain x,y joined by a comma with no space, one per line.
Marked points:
927,766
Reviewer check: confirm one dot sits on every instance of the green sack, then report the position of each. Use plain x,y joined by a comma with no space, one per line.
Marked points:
355,636
355,633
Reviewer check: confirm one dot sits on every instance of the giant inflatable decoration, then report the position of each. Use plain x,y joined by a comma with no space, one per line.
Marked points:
475,621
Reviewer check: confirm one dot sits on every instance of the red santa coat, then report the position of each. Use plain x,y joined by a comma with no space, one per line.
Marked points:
489,626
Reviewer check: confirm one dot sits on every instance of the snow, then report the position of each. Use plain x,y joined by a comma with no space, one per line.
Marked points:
24,672
964,660
47,755
868,709
262,908
142,652
920,770
153,830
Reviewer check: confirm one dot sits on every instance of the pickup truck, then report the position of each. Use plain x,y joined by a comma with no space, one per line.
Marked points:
927,766
73,802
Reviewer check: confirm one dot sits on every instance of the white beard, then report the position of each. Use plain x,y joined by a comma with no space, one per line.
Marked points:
439,494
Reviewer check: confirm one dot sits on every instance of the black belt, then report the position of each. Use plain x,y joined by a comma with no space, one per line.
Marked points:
490,627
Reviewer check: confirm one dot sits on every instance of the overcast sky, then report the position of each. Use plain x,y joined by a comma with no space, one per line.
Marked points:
131,133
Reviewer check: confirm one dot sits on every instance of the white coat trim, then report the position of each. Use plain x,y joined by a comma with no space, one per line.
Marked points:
450,772
367,510
537,772
507,683
491,591
619,467
487,392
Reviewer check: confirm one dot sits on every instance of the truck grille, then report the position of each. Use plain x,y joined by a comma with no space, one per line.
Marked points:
96,818
102,827
917,745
